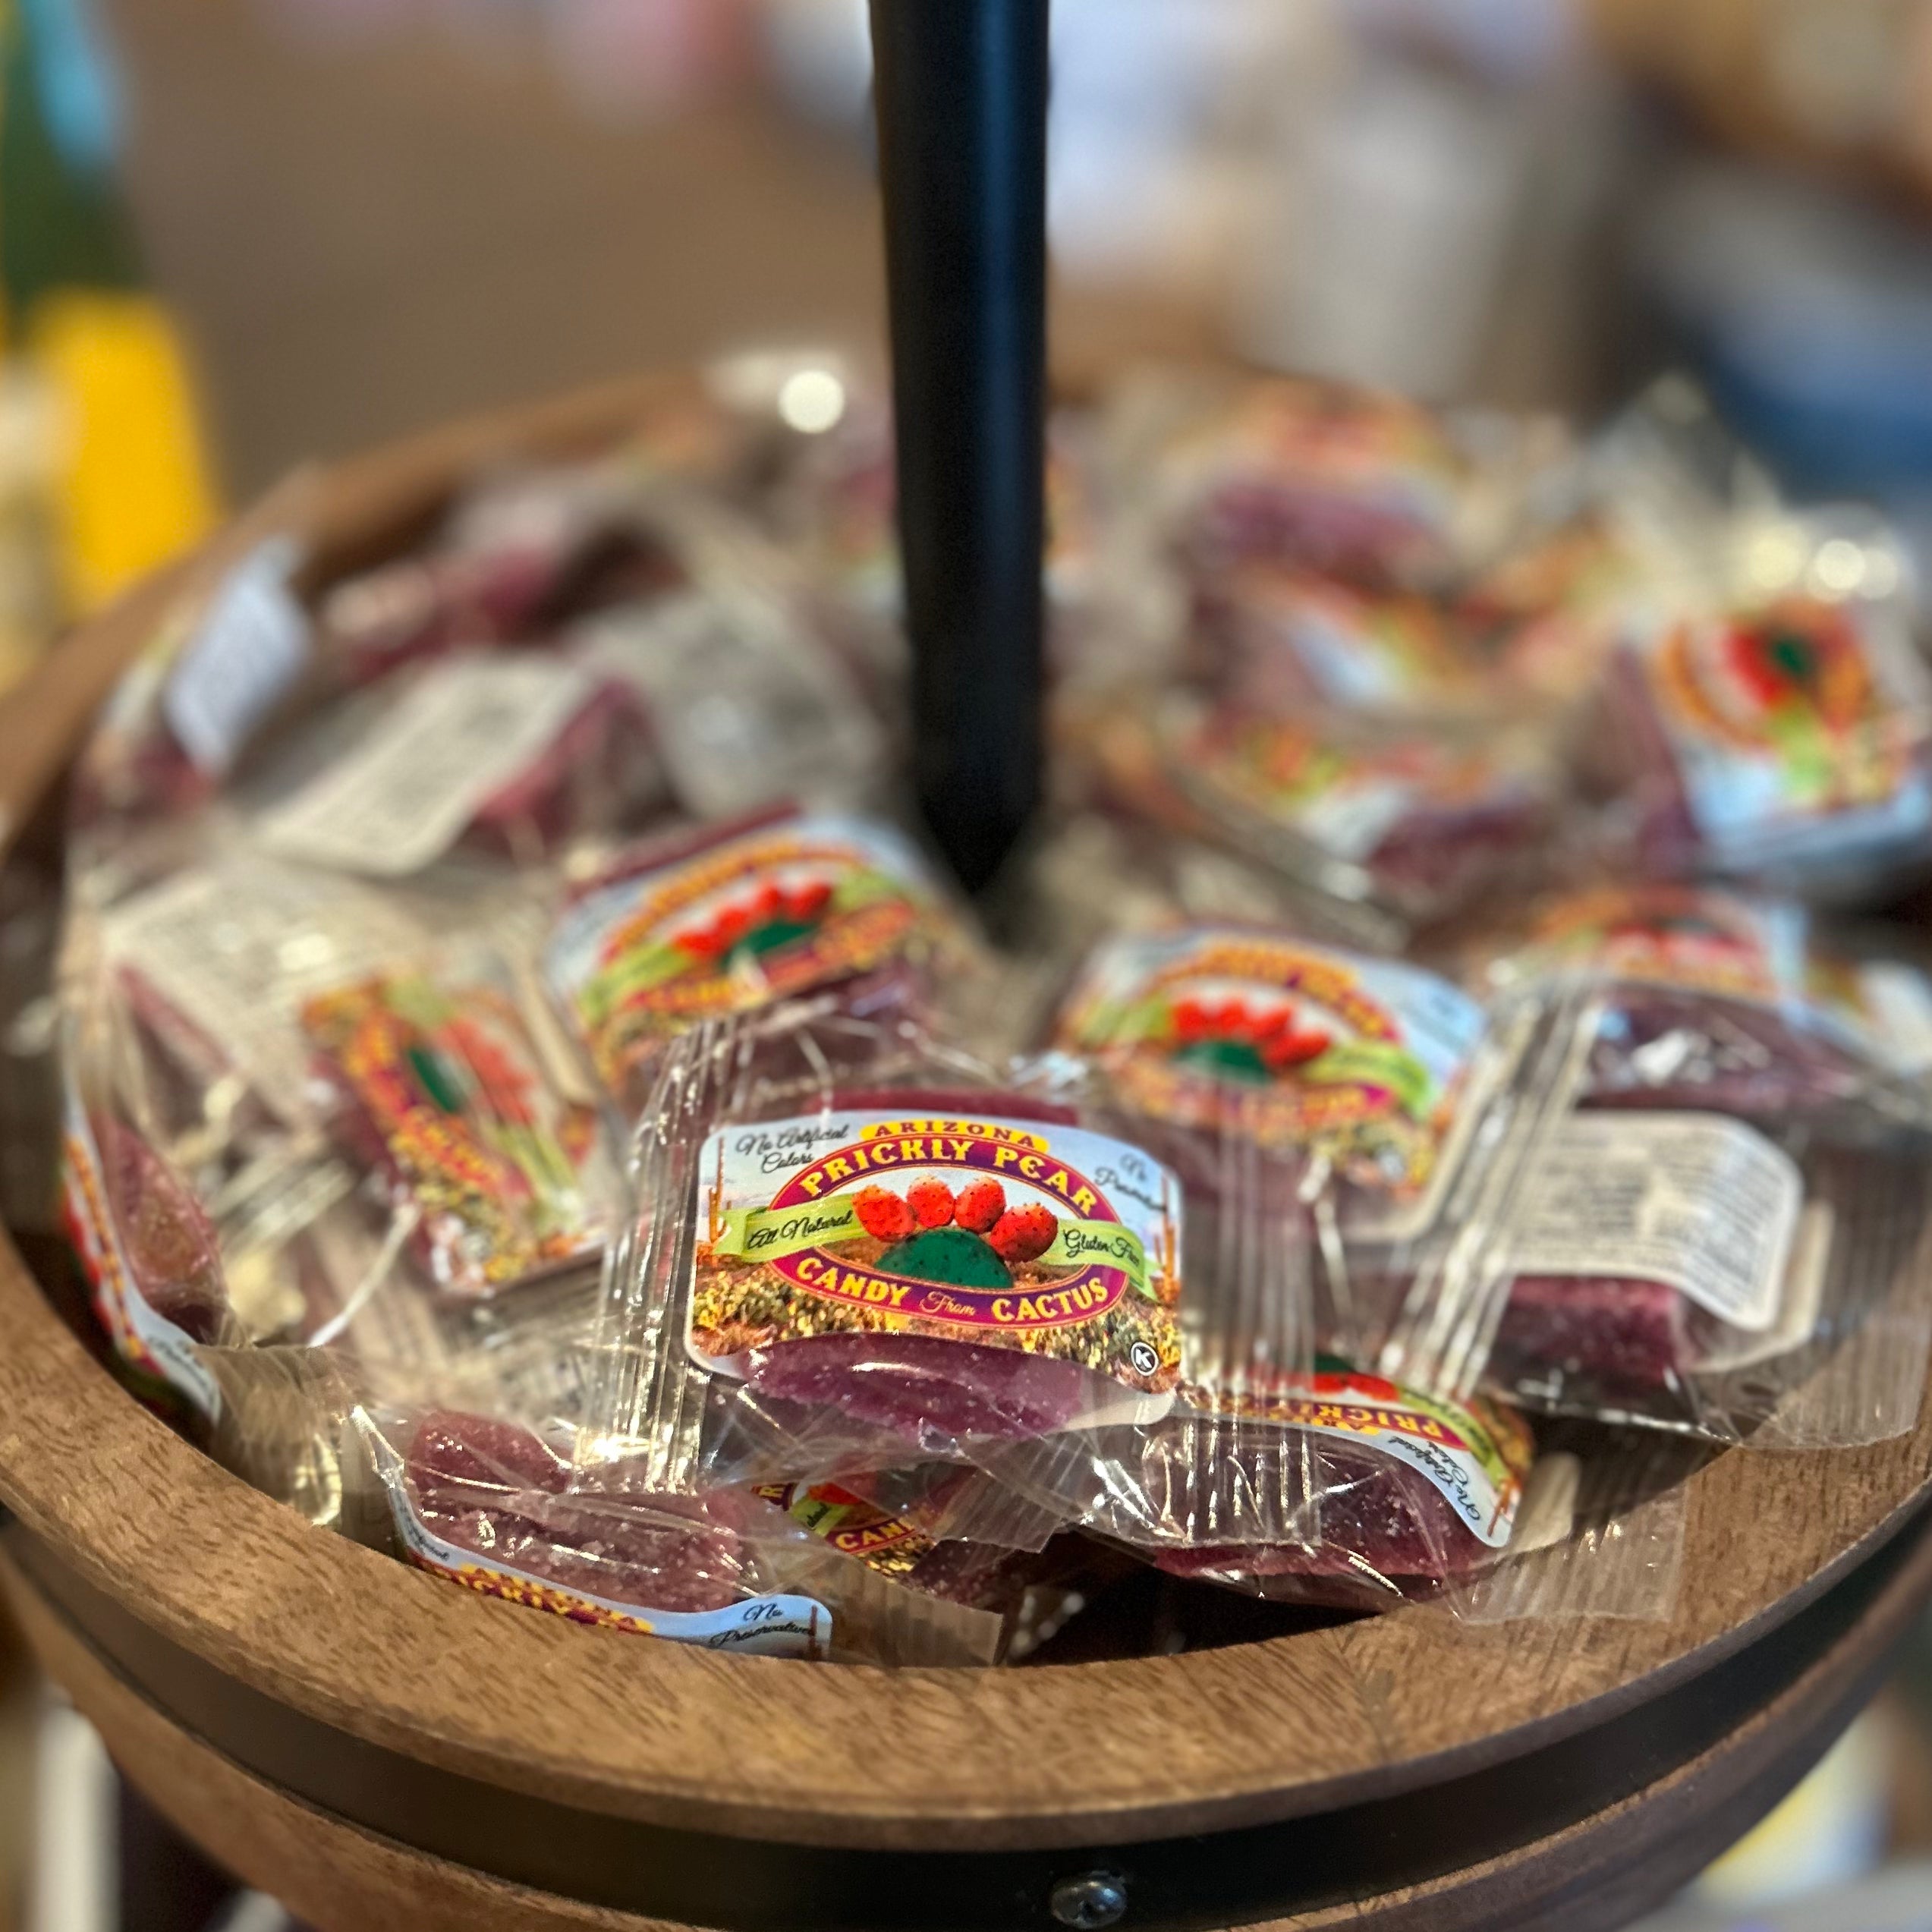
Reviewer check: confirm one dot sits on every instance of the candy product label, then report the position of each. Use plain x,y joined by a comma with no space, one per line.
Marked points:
990,1231
757,920
250,647
510,1181
405,794
1345,800
760,1626
1801,713
1355,649
148,1342
235,948
1705,1205
1296,1045
1476,1455
888,1544
1680,936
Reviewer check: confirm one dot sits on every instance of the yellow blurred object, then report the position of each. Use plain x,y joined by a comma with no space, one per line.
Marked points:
135,487
31,461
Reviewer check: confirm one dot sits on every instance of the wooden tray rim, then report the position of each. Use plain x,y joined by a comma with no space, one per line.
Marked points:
758,1748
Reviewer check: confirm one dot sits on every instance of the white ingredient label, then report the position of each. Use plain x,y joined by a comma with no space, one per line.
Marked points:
1800,1304
250,647
401,798
236,948
749,711
760,1626
1705,1205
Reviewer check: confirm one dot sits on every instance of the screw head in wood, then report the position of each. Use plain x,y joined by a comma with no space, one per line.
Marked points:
1085,1904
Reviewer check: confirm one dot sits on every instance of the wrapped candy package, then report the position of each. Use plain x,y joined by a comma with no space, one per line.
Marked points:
1310,1098
1414,1097
739,919
1279,639
1207,1034
791,1571
1377,828
1698,1211
857,1248
437,1088
1361,485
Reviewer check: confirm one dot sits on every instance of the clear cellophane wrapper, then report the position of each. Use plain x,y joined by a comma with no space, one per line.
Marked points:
817,1572
1287,1474
1600,1535
314,843
1687,1212
772,1317
1736,1002
293,1117
781,907
433,1083
580,653
1356,484
1628,525
1274,1459
1274,637
1317,1103
647,571
1379,828
485,749
1321,716
447,1442
483,1501
1760,711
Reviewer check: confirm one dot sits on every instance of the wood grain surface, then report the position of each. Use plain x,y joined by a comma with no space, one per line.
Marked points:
335,1876
1062,1756
1592,1877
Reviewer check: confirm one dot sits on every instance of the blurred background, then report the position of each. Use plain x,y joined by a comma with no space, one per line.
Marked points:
237,234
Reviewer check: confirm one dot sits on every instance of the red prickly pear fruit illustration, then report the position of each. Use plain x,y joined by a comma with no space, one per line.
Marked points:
1022,1234
980,1204
884,1216
931,1200
1290,1049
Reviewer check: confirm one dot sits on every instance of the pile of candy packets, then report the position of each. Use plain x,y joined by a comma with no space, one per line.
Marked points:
532,1104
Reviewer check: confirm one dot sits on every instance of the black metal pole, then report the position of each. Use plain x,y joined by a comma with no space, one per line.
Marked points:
961,93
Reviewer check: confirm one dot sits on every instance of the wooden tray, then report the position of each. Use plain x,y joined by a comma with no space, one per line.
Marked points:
380,1750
